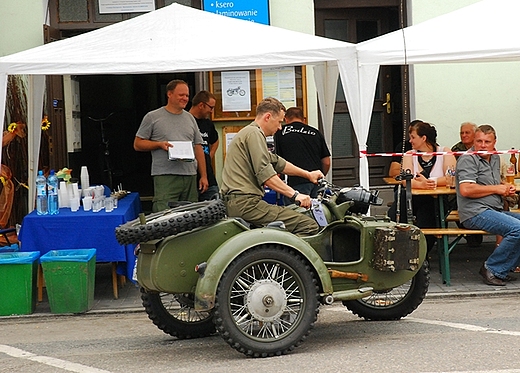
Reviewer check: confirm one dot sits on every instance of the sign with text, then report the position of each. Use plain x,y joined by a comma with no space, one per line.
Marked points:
280,82
126,6
236,91
249,10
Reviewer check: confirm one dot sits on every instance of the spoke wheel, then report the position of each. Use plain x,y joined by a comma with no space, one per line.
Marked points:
175,315
393,304
266,302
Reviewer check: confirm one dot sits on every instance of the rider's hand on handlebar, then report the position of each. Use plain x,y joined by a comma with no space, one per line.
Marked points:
316,175
303,200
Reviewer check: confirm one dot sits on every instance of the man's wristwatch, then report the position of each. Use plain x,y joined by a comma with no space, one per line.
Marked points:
293,198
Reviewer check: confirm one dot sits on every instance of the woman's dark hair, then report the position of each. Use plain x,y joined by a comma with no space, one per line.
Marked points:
426,129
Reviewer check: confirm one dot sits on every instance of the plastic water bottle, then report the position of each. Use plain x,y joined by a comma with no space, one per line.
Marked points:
52,193
41,194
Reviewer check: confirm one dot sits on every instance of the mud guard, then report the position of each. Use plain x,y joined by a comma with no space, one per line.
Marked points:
217,263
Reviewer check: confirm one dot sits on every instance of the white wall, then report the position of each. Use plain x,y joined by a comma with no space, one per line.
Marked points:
298,15
21,25
448,94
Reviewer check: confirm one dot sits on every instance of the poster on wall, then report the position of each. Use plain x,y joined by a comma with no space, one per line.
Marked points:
126,6
236,91
280,82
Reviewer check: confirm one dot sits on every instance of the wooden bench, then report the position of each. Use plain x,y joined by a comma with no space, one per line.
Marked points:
439,232
445,247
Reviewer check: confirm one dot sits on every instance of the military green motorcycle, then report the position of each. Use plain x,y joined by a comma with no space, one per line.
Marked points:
260,288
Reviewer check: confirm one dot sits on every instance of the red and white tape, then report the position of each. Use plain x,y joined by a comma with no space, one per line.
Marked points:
482,152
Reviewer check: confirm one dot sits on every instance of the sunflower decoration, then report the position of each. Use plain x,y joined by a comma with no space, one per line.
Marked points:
12,127
45,123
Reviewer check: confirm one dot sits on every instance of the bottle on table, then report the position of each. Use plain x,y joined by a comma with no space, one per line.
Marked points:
52,193
41,194
450,177
512,160
510,173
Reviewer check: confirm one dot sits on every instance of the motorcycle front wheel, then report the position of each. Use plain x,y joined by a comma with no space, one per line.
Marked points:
266,302
175,315
393,304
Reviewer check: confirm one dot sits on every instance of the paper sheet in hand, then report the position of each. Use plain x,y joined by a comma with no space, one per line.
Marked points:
181,151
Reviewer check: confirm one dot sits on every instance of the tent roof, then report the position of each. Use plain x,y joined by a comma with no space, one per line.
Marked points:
485,31
173,39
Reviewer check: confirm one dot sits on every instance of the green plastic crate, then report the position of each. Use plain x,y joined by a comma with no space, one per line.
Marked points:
70,279
18,274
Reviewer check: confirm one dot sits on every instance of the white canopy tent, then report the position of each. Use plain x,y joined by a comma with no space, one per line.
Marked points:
163,41
486,31
483,32
168,40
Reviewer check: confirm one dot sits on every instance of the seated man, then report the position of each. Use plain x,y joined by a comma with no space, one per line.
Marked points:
249,166
467,137
479,197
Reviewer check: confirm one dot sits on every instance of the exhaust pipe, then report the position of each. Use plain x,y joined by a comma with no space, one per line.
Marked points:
327,299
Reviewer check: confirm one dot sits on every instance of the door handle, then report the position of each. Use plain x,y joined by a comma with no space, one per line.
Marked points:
388,104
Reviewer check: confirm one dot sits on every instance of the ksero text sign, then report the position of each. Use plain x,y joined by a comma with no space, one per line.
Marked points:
249,10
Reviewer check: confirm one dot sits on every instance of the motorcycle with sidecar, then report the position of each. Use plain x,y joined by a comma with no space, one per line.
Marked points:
260,288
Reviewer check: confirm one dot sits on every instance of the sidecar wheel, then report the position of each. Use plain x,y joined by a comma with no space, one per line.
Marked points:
266,302
170,222
174,314
395,303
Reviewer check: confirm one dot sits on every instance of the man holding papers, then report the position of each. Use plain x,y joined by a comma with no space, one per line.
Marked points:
174,173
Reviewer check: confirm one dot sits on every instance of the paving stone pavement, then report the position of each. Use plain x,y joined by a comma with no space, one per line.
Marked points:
465,281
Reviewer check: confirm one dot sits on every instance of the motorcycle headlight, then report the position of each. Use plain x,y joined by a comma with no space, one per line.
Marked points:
362,199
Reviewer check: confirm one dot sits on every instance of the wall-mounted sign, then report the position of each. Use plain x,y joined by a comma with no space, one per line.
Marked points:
126,6
249,10
280,82
236,91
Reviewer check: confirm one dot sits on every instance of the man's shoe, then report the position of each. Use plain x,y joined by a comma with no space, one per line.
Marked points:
489,278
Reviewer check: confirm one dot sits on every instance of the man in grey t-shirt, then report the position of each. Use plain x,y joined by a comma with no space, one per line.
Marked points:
479,198
173,180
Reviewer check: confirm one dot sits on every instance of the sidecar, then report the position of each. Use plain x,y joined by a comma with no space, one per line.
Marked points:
261,287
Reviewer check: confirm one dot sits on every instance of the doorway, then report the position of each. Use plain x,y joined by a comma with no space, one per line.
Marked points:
342,21
112,107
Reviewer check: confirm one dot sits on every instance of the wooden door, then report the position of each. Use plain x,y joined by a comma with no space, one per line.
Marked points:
53,152
355,25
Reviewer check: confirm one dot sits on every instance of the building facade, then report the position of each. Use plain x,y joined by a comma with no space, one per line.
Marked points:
445,95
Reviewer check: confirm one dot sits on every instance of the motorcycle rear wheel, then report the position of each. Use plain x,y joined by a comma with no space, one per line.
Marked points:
174,314
393,304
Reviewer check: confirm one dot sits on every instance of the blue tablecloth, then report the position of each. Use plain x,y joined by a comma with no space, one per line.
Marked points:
83,230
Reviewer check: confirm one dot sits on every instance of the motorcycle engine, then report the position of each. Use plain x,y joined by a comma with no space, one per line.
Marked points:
362,199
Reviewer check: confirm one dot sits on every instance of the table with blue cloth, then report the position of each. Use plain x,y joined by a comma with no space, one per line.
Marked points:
84,230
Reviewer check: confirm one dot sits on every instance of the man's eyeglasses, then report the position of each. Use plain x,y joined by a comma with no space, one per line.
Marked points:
208,105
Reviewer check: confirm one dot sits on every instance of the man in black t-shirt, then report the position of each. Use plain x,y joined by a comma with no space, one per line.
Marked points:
303,146
201,108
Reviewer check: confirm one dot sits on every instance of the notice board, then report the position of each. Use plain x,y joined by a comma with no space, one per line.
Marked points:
238,92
